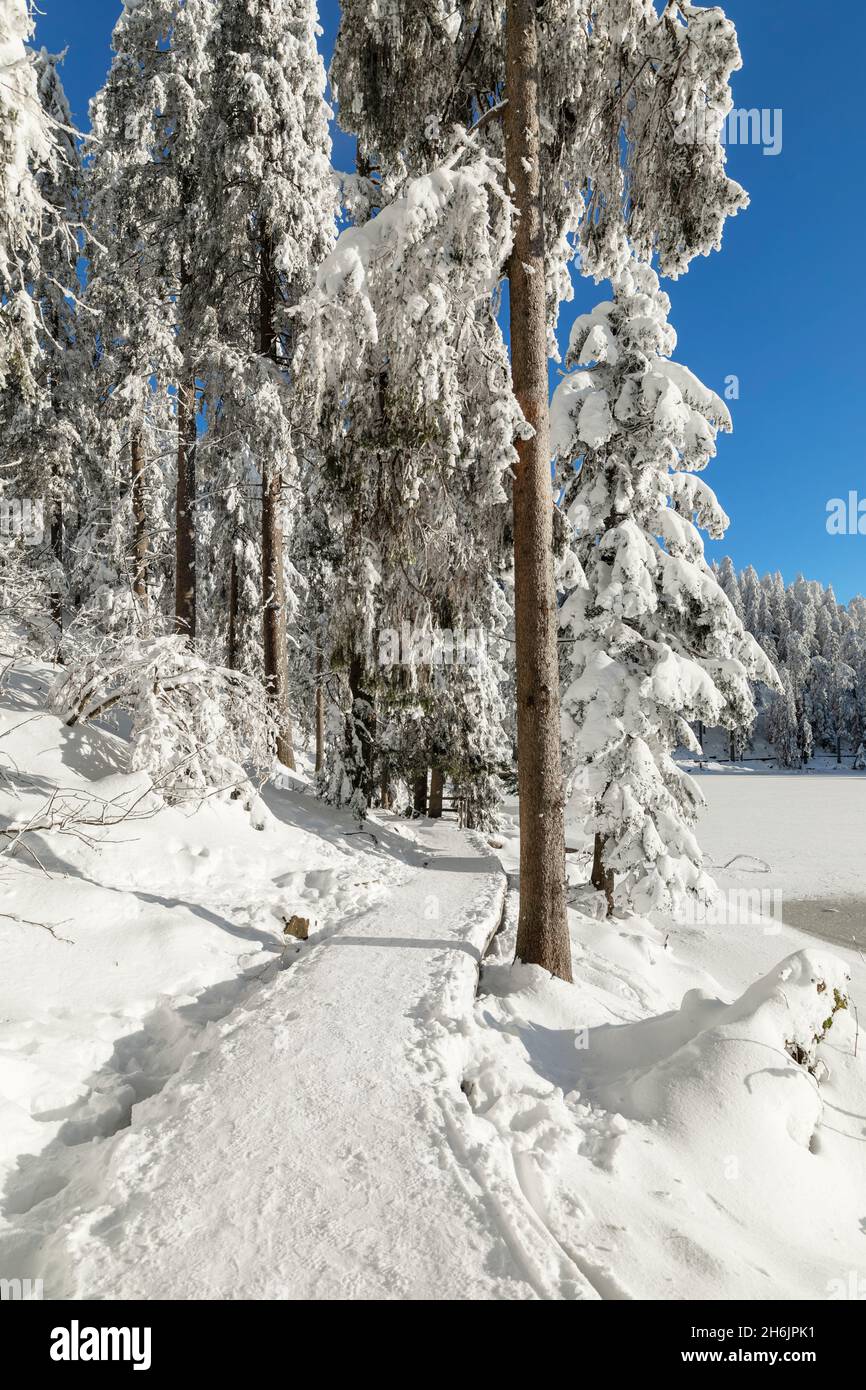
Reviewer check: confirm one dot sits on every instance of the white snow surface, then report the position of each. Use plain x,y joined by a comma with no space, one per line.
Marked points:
192,1108
302,1148
655,1119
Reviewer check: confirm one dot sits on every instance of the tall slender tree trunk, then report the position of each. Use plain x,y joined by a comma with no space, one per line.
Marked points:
320,713
55,599
185,541
276,649
437,789
542,932
234,607
386,798
419,794
361,726
602,879
140,525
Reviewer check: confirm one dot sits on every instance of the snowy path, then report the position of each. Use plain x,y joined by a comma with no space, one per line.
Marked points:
309,1149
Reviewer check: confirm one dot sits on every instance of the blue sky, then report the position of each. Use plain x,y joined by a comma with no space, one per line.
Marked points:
781,307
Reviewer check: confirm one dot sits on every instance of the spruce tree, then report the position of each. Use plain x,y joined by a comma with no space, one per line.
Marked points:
26,148
655,641
599,99
45,434
270,207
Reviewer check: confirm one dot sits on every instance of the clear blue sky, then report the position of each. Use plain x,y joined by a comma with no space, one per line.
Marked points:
781,307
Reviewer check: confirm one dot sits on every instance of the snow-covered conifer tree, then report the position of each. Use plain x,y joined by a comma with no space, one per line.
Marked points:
405,71
50,433
655,641
26,147
148,157
418,421
607,98
782,725
270,217
46,422
132,291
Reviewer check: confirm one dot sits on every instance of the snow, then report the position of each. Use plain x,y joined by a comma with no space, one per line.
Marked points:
809,829
163,918
655,1121
193,1108
305,1136
311,1083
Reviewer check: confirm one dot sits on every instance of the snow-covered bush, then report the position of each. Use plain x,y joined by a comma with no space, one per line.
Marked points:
196,728
812,1026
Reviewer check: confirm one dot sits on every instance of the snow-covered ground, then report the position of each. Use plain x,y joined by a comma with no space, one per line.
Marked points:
301,1150
654,1118
192,1107
119,942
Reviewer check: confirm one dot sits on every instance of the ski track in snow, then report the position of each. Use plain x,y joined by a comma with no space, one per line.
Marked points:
313,1141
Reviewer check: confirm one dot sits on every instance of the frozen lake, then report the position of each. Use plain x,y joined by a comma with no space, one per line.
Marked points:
804,834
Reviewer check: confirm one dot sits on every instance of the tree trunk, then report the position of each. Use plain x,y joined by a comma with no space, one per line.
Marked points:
276,649
542,932
234,607
363,727
437,789
602,879
419,794
140,524
320,714
386,799
55,599
839,749
185,543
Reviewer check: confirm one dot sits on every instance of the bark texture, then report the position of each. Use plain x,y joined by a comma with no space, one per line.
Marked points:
276,651
185,542
437,789
320,713
140,525
361,728
419,794
602,879
55,600
234,609
542,934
